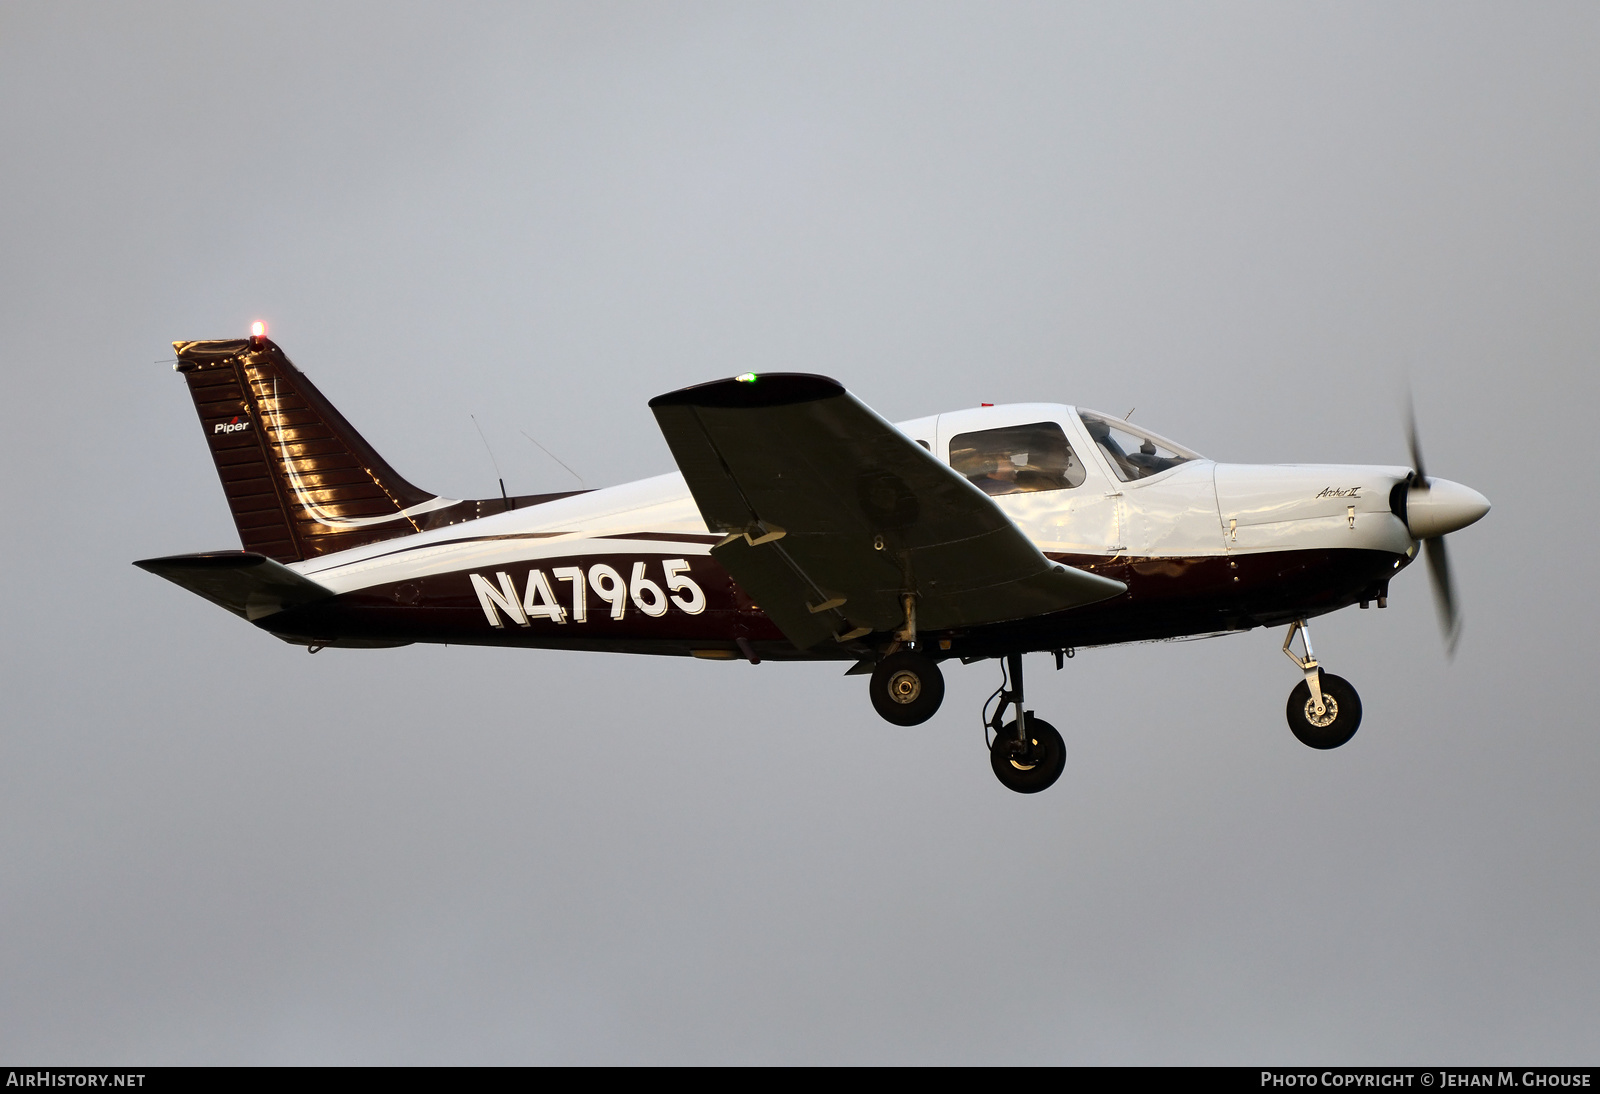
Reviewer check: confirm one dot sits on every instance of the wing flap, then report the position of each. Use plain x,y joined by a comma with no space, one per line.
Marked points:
780,590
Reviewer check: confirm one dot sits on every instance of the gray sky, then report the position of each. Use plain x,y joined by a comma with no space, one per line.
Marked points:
1256,223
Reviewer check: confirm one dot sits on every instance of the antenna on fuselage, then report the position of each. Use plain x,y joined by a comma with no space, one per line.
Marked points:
1129,414
488,449
555,457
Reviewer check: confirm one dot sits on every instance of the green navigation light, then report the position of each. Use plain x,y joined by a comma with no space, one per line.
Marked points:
746,378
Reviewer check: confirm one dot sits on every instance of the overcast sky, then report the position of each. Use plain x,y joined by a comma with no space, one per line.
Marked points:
1254,223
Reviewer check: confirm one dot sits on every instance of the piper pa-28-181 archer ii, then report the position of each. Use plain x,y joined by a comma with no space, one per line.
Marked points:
802,526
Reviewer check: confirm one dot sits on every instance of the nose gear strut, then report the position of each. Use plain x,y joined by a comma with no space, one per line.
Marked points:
1306,664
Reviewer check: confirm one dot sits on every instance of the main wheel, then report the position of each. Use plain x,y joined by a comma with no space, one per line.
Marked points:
1038,766
1341,715
907,688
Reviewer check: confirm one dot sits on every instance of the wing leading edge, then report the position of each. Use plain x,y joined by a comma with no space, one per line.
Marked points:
835,517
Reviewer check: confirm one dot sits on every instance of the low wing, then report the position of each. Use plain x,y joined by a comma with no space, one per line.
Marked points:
836,515
247,584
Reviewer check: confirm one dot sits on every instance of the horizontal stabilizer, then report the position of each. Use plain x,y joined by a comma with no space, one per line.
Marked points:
249,585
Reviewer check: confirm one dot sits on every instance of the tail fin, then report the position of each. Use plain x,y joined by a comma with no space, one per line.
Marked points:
300,480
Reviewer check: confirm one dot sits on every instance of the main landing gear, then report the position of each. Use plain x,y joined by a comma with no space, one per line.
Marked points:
1324,710
907,688
1028,754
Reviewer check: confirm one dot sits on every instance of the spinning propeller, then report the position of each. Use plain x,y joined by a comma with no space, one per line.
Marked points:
1431,507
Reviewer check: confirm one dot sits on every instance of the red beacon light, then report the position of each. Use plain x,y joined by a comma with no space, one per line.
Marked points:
258,330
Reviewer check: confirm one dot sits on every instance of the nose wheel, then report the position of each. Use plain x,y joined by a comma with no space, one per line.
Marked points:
1340,717
1324,711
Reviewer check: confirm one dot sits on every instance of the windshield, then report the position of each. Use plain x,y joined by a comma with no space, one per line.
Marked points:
1133,453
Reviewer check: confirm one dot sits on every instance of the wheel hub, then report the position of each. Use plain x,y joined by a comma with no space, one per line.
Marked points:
1330,711
1024,757
905,687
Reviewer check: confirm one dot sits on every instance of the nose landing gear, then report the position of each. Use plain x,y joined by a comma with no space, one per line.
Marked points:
1324,711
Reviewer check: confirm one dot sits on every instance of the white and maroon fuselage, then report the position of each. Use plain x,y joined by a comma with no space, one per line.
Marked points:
1202,547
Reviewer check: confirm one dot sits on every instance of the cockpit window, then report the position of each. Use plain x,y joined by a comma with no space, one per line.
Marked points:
1017,459
1133,453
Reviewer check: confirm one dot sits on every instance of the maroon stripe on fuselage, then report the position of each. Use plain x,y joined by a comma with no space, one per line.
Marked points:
1166,598
669,537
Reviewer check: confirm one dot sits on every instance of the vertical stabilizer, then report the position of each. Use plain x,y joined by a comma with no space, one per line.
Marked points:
300,481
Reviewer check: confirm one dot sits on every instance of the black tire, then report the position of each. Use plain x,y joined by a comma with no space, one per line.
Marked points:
1341,717
1039,767
907,688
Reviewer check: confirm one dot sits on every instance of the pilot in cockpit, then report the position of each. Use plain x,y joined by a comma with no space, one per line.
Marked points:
999,476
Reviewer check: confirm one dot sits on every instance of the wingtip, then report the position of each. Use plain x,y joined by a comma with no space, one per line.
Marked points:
754,390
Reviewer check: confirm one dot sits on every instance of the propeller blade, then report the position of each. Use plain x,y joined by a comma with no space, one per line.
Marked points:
1444,592
1420,482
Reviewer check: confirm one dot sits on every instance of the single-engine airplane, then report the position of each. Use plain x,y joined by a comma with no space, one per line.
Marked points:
802,526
